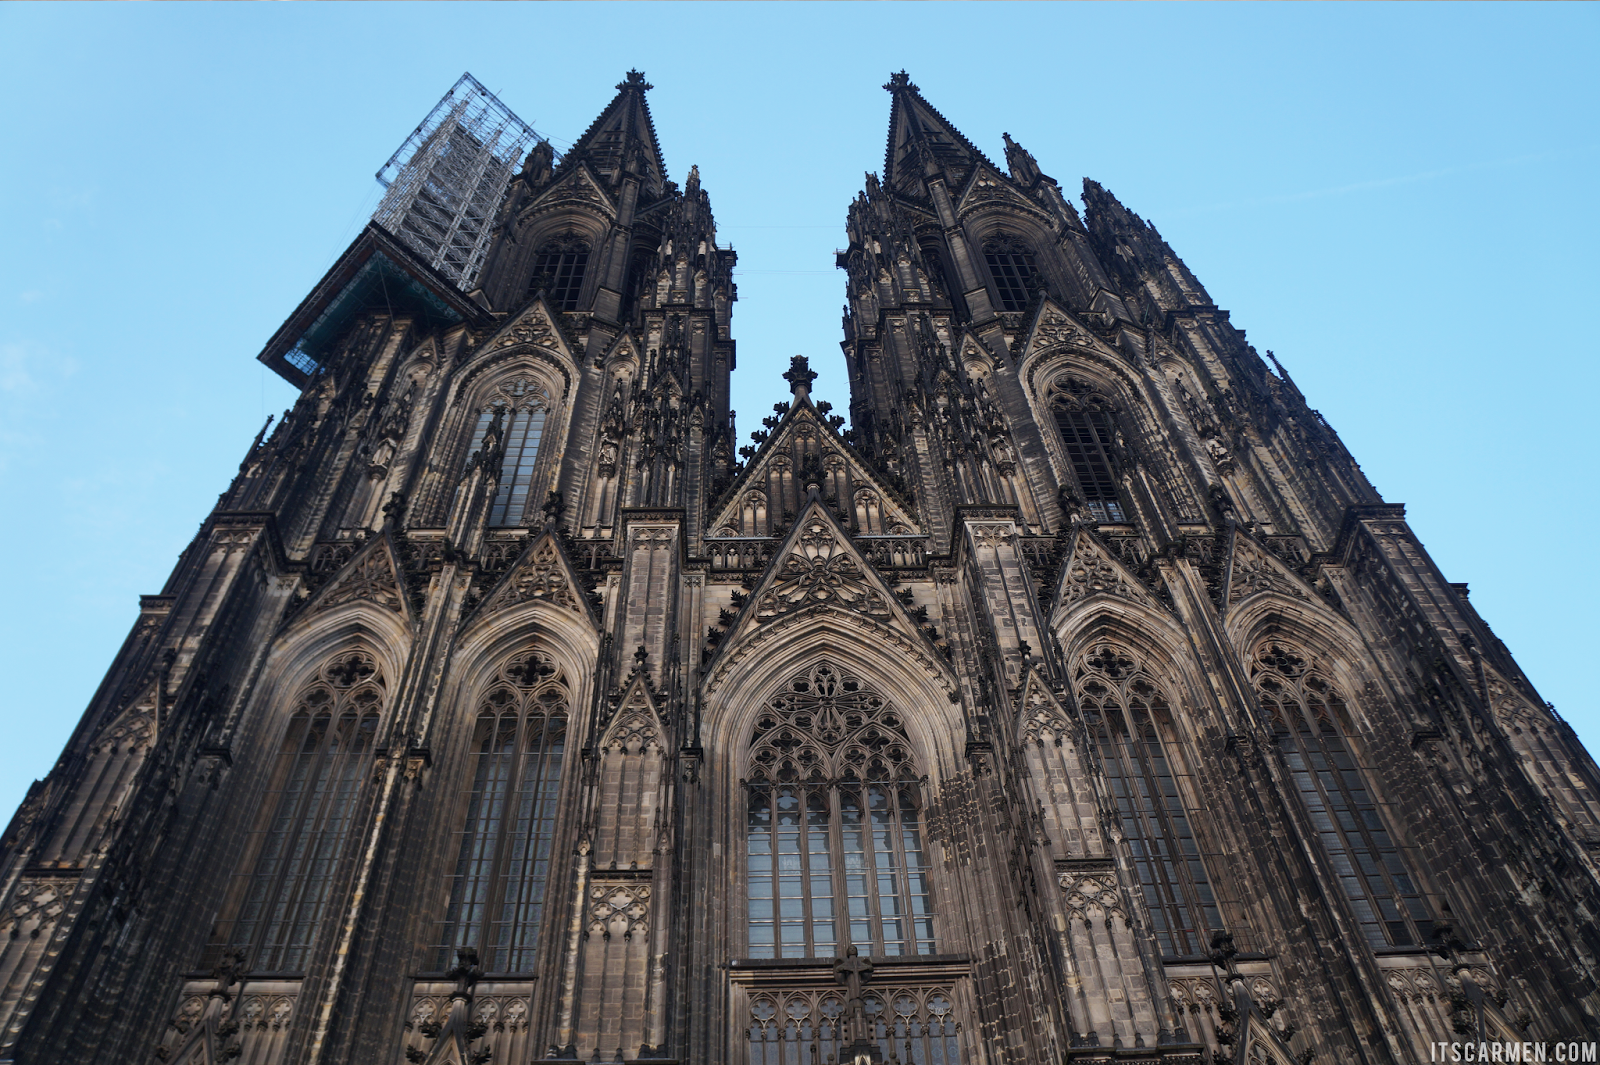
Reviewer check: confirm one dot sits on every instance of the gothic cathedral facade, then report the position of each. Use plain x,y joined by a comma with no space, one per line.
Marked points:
1081,701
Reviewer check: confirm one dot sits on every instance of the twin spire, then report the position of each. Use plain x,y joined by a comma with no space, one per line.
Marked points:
922,142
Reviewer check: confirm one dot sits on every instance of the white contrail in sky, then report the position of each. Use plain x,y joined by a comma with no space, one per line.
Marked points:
1376,183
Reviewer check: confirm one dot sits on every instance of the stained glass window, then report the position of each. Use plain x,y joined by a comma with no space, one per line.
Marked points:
1125,708
835,848
519,405
1306,710
497,887
301,850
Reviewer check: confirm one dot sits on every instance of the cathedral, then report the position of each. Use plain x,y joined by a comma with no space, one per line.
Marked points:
1080,701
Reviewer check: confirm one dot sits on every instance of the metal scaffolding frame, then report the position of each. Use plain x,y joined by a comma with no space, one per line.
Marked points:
446,181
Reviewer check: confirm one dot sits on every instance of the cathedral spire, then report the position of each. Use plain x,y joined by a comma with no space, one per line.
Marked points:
922,142
623,138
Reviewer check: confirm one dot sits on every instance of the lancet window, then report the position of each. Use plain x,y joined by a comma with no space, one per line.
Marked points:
558,268
1011,265
835,847
1087,422
496,888
299,852
1126,711
1306,712
518,408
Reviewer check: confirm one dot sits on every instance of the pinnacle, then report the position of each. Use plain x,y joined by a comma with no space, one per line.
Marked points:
632,145
922,142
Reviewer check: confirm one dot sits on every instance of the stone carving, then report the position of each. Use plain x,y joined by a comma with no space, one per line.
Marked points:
533,328
619,910
36,905
993,535
539,576
132,730
635,729
827,725
918,1023
1054,329
372,579
1092,571
1514,712
820,570
1093,896
1253,570
1043,719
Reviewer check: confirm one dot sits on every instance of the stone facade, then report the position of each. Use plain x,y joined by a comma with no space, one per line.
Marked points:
1082,701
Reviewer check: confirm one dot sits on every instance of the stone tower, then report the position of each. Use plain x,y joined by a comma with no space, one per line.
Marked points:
1081,701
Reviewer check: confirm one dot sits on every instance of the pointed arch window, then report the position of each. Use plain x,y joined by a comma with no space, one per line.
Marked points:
558,269
1126,711
1306,712
1011,264
836,853
300,850
1087,422
497,886
519,406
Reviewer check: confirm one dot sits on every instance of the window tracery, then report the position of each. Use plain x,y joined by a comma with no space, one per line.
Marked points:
1087,421
496,889
1011,264
1126,710
558,268
299,852
519,406
1306,713
835,846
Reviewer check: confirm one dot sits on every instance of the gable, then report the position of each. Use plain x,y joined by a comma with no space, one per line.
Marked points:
803,450
371,576
1252,569
1054,327
534,327
542,572
635,725
575,189
817,567
988,188
1041,718
1091,570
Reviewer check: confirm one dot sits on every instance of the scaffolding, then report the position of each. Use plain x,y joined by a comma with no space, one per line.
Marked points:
446,181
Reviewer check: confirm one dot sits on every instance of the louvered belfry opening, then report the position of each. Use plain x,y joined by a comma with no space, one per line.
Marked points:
1011,264
558,268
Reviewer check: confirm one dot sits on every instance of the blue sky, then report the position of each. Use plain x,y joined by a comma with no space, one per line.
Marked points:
1398,200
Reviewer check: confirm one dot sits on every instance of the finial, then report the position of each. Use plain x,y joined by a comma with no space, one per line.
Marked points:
541,158
800,376
554,504
901,80
634,80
